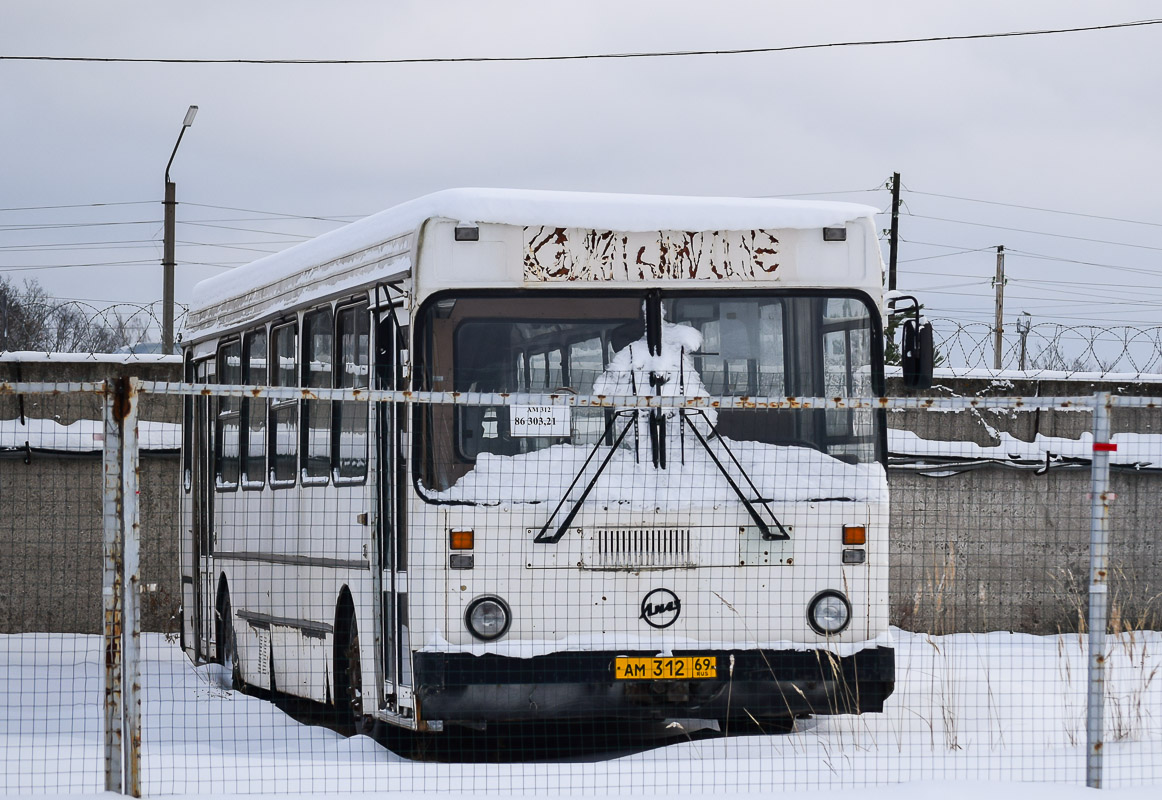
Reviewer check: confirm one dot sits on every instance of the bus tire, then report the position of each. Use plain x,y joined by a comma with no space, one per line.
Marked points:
348,700
228,640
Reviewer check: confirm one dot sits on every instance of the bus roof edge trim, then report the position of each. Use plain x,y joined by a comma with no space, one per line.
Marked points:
615,212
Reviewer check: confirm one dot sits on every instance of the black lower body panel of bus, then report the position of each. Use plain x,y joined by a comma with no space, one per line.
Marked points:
574,685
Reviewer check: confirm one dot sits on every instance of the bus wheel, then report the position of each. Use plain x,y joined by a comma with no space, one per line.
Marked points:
228,642
349,716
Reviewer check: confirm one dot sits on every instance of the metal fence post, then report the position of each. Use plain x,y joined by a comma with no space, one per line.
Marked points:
111,589
1098,586
131,525
122,590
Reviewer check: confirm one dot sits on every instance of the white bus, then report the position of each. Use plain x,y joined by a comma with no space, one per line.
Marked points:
427,563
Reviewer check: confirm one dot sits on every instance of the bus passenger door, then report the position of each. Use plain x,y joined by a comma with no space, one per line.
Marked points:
198,572
389,466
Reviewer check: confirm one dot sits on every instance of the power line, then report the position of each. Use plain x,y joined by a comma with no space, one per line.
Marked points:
941,255
1036,208
1036,233
339,218
129,244
80,205
1090,284
589,56
72,266
23,226
246,230
61,225
1115,267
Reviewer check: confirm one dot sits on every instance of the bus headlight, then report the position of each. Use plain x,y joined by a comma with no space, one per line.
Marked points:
828,613
487,618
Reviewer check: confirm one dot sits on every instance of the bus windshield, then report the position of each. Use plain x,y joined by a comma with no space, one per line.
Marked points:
707,343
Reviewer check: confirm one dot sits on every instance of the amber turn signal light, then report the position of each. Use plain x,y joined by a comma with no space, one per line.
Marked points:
463,540
854,534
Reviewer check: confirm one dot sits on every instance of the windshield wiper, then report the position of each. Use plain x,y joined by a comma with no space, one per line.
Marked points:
544,537
754,514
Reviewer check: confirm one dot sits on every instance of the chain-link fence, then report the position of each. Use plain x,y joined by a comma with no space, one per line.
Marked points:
517,594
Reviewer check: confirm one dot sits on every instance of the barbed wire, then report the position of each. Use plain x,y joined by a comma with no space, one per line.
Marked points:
52,324
1051,347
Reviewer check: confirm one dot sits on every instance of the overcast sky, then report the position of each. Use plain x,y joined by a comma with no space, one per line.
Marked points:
1069,122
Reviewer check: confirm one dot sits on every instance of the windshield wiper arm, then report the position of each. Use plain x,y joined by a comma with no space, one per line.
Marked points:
544,537
759,521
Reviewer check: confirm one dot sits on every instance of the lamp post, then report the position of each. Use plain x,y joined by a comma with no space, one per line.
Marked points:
167,263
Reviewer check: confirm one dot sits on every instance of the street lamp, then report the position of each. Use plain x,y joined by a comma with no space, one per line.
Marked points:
167,263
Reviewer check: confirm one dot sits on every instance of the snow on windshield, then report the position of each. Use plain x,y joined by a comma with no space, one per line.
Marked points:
691,477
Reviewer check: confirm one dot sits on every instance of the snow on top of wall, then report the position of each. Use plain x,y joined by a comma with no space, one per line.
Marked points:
82,436
36,356
984,373
1134,449
615,212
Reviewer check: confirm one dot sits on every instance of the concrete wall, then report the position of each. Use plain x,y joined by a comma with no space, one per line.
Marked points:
987,549
1001,549
50,503
50,543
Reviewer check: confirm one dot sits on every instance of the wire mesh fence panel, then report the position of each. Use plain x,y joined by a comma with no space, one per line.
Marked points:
989,573
1133,654
354,591
506,595
51,653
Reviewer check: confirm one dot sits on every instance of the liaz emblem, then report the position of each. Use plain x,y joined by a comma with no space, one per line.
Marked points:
660,608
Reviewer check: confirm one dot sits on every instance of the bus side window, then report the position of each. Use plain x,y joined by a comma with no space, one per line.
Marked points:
316,416
350,429
284,414
254,411
228,425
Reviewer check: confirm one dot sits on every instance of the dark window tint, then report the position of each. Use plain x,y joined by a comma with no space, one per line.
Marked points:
254,411
229,371
354,339
317,374
284,414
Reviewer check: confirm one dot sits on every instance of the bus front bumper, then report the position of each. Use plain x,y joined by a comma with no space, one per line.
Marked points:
756,683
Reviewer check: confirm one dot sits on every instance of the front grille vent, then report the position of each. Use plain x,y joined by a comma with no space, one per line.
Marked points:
639,548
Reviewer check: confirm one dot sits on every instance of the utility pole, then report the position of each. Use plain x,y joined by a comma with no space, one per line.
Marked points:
167,263
894,236
999,283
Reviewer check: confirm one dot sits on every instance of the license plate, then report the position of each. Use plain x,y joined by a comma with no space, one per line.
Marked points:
665,669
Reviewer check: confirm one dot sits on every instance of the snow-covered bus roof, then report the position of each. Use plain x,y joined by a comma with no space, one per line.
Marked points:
344,257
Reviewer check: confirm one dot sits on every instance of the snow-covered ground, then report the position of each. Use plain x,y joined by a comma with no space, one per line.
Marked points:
996,708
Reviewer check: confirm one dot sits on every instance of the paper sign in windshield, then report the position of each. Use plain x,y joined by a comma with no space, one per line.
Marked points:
540,421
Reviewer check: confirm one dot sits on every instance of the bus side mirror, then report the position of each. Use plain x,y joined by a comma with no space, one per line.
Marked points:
916,354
